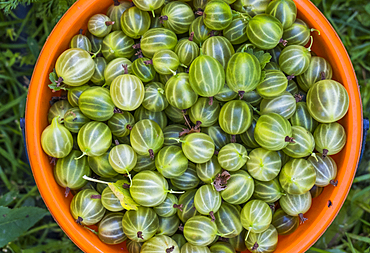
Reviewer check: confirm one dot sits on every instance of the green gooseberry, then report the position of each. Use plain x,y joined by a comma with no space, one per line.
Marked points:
68,171
232,156
208,171
203,113
263,164
110,201
156,40
135,22
226,94
121,124
222,247
263,242
59,108
303,118
188,208
144,162
100,25
316,190
123,159
100,165
227,220
319,69
236,31
284,223
117,67
207,200
303,145
294,60
219,48
127,92
273,131
326,170
168,207
197,147
74,119
159,117
149,5
140,225
256,216
238,242
264,31
296,205
145,72
165,62
284,105
171,162
330,138
174,114
251,7
274,84
94,138
179,93
177,16
297,176
80,41
235,117
160,243
96,103
149,188
74,94
219,137
268,191
115,12
248,136
327,101
170,132
298,33
217,15
239,188
200,30
98,76
56,140
86,207
133,247
179,239
188,180
168,225
110,229
117,45
252,97
75,67
284,10
154,97
187,50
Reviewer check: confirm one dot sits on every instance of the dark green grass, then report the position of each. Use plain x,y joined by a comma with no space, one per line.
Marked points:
20,43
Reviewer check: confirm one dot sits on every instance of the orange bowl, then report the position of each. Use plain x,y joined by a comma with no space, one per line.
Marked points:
327,45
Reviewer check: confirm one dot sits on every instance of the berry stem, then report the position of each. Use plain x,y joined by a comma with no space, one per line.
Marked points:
108,23
212,216
315,30
81,30
191,37
83,154
79,220
151,154
241,94
170,249
125,67
198,124
96,196
140,235
210,101
291,77
334,183
148,62
116,142
284,42
177,139
289,139
160,90
153,13
176,192
199,12
324,153
178,206
255,246
92,230
116,3
323,75
94,180
136,46
302,218
129,127
309,48
66,193
233,138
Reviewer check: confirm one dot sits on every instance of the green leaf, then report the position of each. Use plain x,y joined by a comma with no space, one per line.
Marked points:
359,238
123,194
33,46
8,198
14,222
262,57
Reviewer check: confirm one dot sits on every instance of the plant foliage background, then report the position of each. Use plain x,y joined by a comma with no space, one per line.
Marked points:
26,226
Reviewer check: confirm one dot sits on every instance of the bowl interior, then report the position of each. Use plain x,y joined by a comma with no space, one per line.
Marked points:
327,45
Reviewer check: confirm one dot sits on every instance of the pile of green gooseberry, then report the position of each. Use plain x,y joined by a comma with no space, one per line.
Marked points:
181,126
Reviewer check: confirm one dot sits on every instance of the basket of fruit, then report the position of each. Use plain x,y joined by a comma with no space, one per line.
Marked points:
194,126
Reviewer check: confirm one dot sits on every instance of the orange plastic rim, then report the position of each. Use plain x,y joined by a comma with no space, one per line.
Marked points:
320,216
